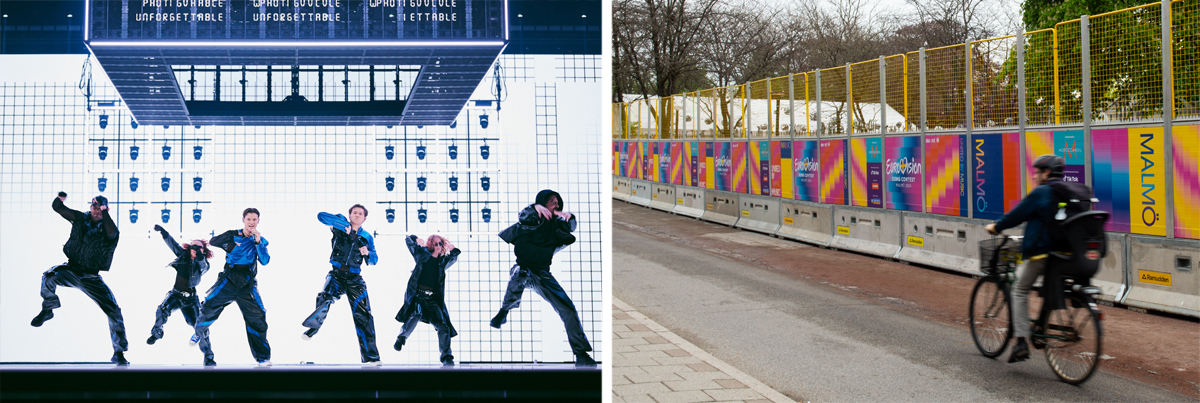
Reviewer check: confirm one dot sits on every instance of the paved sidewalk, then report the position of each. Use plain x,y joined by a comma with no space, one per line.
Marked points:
653,364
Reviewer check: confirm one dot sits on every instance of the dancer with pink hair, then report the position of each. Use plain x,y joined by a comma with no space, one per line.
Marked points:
425,298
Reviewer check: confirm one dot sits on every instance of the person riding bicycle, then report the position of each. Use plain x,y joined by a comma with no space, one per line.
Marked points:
1036,210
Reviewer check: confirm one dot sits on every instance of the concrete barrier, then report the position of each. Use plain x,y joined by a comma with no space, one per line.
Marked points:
1112,277
946,242
622,187
868,230
1164,275
759,213
689,201
721,207
640,193
806,222
662,197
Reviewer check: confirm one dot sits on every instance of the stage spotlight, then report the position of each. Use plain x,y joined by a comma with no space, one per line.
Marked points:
454,215
391,214
389,126
454,183
487,214
166,153
166,215
421,181
197,127
453,152
197,182
103,122
420,152
166,183
133,152
485,151
196,215
389,152
422,215
102,183
133,123
197,152
133,184
486,182
390,183
483,121
103,152
133,216
166,126
453,124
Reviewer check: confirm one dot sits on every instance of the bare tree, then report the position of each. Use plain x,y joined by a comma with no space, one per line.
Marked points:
654,44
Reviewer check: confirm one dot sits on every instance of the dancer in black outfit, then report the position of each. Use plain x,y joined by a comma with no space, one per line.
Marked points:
543,229
353,247
190,264
89,251
425,298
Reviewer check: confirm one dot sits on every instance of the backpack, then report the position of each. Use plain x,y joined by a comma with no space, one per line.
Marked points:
1077,236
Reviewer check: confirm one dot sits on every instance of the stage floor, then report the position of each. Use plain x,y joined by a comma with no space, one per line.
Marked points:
105,381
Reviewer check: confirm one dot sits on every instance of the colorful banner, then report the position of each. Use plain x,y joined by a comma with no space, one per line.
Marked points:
759,166
1110,176
1067,144
676,163
875,172
902,165
664,162
616,158
1186,156
740,174
806,168
724,166
708,170
1147,181
858,172
782,184
691,162
946,191
833,171
997,166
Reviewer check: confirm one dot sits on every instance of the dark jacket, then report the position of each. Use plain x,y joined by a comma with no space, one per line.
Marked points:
242,251
535,239
92,243
421,254
345,246
1036,210
185,266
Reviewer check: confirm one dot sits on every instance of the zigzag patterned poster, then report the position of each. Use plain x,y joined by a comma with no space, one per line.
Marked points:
759,165
945,185
833,171
858,172
738,149
1186,155
677,163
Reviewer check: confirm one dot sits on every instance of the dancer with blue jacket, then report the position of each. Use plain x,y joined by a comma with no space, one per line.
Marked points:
352,247
244,250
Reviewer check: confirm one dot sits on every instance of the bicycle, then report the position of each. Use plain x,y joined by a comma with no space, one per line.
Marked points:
1071,337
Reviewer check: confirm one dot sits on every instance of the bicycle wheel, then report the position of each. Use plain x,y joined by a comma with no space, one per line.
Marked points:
1073,339
990,316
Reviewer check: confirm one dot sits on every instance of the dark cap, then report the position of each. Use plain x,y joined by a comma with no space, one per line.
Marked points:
100,201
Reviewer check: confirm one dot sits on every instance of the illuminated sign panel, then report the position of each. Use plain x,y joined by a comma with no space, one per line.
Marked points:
374,20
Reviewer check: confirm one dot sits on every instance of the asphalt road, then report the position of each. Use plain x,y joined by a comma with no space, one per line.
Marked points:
815,344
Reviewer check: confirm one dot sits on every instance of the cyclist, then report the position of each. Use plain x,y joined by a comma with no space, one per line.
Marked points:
1037,209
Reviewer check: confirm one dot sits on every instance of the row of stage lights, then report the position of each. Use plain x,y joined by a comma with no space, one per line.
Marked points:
102,183
422,182
422,215
485,151
134,151
166,215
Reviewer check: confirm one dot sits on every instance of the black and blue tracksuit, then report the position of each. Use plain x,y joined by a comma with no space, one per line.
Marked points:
535,240
345,278
182,296
89,251
237,283
425,296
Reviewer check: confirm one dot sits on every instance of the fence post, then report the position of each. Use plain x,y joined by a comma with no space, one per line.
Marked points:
1022,117
967,48
923,124
849,103
792,105
820,125
1168,116
883,108
1086,62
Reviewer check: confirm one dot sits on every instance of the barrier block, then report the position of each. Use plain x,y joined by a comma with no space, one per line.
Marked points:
947,242
759,213
640,193
689,201
1164,275
1112,277
662,197
721,207
807,222
622,187
868,230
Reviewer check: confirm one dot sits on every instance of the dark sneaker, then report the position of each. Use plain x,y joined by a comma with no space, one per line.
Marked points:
119,359
42,317
151,340
500,319
583,360
308,334
1020,351
448,361
209,362
399,343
